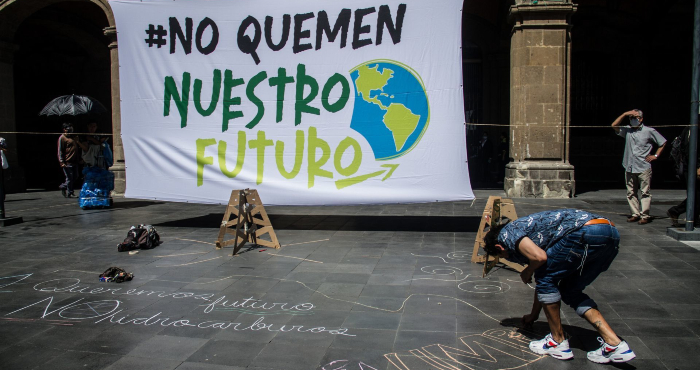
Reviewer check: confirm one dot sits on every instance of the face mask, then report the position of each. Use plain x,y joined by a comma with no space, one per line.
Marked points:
634,122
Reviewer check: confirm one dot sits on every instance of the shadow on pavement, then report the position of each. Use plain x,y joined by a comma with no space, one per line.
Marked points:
21,200
134,204
349,223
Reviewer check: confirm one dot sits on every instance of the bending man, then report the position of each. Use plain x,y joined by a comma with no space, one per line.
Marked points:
566,250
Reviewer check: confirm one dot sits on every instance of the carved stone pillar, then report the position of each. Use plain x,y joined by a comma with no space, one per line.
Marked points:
119,167
540,57
14,176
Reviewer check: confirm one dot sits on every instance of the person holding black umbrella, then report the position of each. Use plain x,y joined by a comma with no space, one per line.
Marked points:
69,159
69,154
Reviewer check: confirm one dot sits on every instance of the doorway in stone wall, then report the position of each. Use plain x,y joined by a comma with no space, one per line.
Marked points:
62,50
473,90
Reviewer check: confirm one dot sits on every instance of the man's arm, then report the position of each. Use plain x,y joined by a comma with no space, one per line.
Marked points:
653,157
616,124
61,159
534,314
82,145
536,255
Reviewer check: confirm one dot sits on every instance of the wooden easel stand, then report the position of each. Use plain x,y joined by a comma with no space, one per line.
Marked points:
495,209
244,205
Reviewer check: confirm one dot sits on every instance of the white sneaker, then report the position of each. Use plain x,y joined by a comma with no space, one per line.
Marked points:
607,353
548,346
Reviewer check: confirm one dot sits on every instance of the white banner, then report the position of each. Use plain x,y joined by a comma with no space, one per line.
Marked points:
311,102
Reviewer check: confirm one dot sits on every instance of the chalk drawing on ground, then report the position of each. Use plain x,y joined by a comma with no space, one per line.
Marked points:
347,365
495,349
72,285
453,257
9,280
467,283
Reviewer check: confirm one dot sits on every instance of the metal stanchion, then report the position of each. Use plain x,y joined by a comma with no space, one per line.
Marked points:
692,160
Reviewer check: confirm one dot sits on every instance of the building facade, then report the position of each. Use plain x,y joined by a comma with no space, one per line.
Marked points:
546,77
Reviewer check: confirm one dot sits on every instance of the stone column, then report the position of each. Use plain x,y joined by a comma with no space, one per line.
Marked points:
540,57
14,176
119,167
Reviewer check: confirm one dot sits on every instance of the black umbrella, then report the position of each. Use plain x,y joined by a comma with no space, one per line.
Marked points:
72,105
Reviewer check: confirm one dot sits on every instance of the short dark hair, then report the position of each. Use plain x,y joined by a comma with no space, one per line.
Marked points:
491,239
67,125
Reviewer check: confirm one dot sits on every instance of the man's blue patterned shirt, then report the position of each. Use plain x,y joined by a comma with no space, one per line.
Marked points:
544,228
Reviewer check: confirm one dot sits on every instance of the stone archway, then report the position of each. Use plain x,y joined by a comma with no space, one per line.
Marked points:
13,13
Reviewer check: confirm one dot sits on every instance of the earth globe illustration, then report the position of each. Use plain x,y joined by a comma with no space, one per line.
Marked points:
391,107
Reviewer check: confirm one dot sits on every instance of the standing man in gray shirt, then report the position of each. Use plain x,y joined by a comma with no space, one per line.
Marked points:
639,142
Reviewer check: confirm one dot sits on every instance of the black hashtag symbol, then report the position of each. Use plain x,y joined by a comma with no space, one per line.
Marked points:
156,36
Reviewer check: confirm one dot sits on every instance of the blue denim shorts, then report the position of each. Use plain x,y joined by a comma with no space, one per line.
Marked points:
575,262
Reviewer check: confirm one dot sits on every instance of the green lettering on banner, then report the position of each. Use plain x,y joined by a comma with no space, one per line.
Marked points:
356,159
229,84
215,92
260,144
240,157
281,82
250,93
298,156
315,165
301,104
201,159
181,101
344,94
344,183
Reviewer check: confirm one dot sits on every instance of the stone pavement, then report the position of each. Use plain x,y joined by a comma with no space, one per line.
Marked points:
363,287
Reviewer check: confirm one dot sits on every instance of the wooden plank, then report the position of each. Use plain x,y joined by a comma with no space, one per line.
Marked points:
483,223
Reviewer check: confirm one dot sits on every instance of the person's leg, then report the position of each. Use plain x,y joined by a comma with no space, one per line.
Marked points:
595,318
645,189
71,171
552,311
554,344
676,211
632,183
64,186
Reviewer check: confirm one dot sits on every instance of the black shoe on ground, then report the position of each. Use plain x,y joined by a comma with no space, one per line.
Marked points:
674,218
63,192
